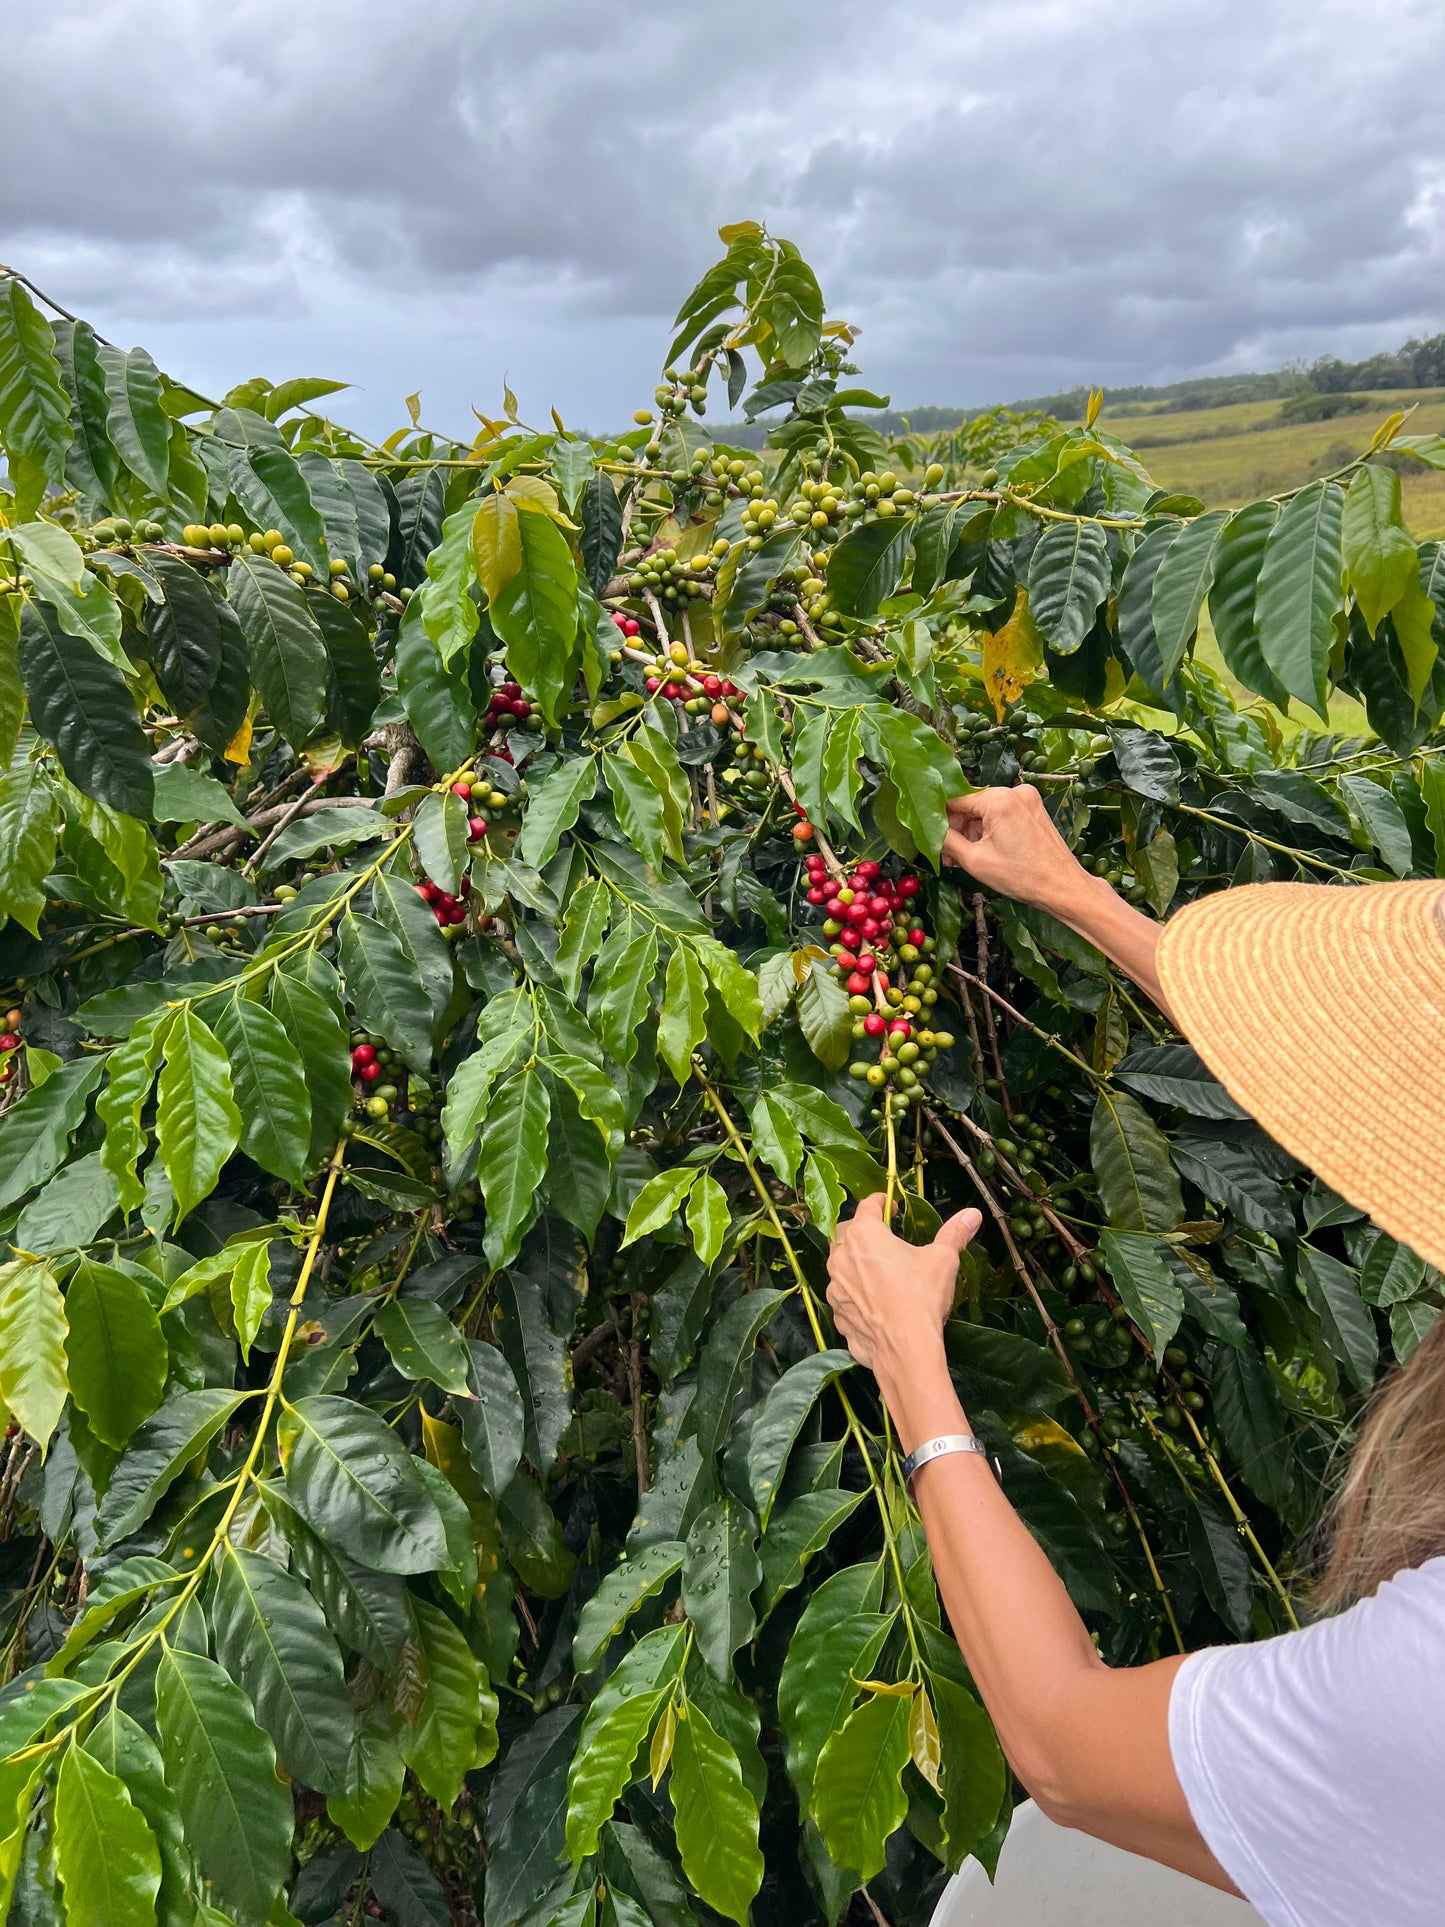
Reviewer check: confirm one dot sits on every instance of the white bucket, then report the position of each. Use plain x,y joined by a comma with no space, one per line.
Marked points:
1049,1874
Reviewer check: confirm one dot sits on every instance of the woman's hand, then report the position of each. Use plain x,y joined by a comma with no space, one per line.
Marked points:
890,1301
1007,840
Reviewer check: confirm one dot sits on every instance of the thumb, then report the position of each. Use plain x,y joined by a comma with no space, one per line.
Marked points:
873,1209
958,1232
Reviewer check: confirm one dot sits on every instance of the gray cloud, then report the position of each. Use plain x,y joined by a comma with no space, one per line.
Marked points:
1007,198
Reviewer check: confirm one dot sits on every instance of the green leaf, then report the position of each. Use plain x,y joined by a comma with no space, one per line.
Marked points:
70,1211
273,1639
314,1023
448,608
626,1587
833,1646
116,1350
1068,577
440,834
803,1527
222,1769
639,806
288,656
423,1343
1252,1422
604,1764
81,706
867,566
924,772
251,1293
1180,586
535,612
727,1358
972,1770
1301,591
1380,558
824,1017
1145,1283
1174,1074
682,1025
353,683
106,1856
455,1729
1135,632
32,1347
527,1815
434,694
375,1776
1431,777
382,982
272,489
37,1129
30,823
34,408
268,1082
621,993
513,1161
708,1217
405,1885
1232,592
183,795
170,1440
777,1421
858,1797
138,427
1384,821
717,1817
720,1573
493,1423
185,633
127,1750
600,507
1333,1292
351,1479
553,809
369,1611
1130,1156
197,1123
396,903
658,1201
582,933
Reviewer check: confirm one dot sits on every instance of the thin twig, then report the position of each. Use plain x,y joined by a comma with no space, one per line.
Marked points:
980,924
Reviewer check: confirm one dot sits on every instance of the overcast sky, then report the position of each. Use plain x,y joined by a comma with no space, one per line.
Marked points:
1008,198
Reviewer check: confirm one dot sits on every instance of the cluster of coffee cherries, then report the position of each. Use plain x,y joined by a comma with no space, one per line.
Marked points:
668,578
480,795
383,1087
717,471
116,532
880,949
9,1041
449,911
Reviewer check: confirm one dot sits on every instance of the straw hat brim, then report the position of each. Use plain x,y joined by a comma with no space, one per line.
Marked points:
1322,1011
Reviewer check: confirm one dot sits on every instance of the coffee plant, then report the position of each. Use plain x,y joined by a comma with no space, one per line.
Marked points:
472,921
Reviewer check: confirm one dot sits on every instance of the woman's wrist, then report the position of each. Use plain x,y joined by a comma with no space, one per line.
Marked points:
919,1394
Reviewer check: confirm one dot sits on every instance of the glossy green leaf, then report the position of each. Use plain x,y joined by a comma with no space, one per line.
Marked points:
455,1729
115,1348
351,1479
555,807
1146,1285
33,1333
833,1646
1380,558
368,1611
1180,585
858,1797
315,1026
125,1749
30,823
622,1591
439,830
222,1769
1333,1291
423,1343
1301,590
273,1639
512,1161
268,1082
535,612
288,656
197,1123
82,707
717,1817
1130,1156
1233,589
170,1440
1068,575
135,421
106,1856
34,408
776,1422
720,1573
382,982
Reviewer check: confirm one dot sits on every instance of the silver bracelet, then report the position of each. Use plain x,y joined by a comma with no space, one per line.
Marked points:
940,1448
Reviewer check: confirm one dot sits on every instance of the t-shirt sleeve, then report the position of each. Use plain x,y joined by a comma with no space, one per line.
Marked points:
1303,1759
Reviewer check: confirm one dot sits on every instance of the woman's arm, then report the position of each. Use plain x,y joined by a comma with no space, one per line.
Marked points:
1091,1744
1007,840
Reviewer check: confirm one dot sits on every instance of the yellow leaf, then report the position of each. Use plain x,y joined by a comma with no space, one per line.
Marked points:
661,1750
1012,657
1096,402
1387,431
238,750
531,492
1046,1434
413,408
1414,617
509,403
496,543
561,425
736,230
923,1738
1116,681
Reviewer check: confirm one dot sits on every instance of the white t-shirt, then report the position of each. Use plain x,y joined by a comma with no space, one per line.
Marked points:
1314,1763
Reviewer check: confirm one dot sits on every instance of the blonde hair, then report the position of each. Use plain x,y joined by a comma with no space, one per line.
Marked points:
1389,1513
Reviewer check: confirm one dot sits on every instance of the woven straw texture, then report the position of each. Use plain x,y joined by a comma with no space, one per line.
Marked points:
1322,1011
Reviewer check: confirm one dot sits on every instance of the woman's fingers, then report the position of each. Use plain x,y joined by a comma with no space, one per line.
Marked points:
959,1231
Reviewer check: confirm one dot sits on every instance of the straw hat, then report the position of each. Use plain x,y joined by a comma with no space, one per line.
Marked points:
1322,1011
